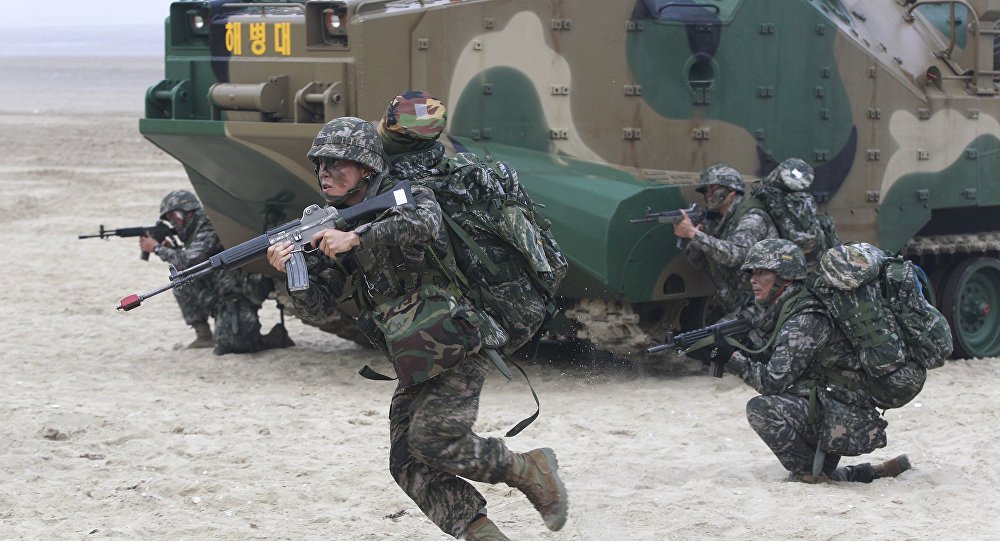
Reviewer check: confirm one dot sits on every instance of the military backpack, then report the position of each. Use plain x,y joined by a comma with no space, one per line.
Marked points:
877,300
509,264
793,210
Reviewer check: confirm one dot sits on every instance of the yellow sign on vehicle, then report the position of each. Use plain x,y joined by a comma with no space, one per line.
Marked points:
281,38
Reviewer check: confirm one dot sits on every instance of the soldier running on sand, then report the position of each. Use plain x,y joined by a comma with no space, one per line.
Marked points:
433,448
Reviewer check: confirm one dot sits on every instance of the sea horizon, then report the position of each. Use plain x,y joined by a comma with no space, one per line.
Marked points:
118,40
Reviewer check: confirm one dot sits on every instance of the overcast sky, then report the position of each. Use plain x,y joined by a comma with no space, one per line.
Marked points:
83,12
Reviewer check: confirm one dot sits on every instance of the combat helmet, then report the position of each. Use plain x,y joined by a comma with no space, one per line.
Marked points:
413,121
781,256
722,175
348,138
795,175
178,200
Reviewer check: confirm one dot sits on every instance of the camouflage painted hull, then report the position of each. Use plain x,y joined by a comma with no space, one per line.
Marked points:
607,108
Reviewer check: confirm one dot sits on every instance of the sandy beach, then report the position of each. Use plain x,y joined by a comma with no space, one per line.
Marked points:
109,430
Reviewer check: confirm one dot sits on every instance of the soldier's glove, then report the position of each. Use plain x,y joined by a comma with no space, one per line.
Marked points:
717,354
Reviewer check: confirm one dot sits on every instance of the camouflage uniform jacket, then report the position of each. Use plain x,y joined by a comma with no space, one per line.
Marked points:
389,262
722,247
807,347
202,242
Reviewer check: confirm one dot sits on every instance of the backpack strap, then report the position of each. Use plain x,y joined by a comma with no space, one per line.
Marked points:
791,307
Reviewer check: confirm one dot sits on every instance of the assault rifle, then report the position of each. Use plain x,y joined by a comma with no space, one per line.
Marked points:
695,213
684,341
298,232
159,231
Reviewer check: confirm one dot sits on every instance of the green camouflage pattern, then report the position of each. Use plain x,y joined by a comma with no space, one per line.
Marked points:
850,265
523,264
349,138
609,108
782,422
794,175
722,175
414,119
795,215
895,332
178,200
427,333
434,451
925,330
433,448
722,248
781,256
232,297
806,354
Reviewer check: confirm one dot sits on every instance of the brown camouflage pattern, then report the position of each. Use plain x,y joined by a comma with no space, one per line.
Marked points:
781,256
722,248
848,266
232,297
413,120
348,138
723,175
794,174
794,211
178,200
782,422
427,333
872,316
809,354
433,449
485,199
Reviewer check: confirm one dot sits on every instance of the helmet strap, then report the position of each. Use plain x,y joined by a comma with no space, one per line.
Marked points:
775,293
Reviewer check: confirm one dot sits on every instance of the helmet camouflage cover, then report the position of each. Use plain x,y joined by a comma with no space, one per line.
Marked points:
349,138
179,200
781,256
795,174
722,175
850,265
413,119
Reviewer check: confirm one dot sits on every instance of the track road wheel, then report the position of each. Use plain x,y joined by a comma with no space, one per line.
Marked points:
971,303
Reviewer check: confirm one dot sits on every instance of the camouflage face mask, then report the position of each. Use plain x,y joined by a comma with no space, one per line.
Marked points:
715,197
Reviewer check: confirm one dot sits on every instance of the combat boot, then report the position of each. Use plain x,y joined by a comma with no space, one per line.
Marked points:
534,474
892,468
203,336
483,529
277,337
809,478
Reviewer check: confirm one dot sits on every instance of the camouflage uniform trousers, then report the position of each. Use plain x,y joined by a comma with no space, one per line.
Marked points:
782,421
432,445
237,326
197,300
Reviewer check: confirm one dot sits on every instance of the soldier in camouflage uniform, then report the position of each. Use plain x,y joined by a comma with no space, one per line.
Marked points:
814,406
432,445
232,297
722,242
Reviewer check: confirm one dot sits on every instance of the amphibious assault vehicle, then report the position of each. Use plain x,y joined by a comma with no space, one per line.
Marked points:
607,108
